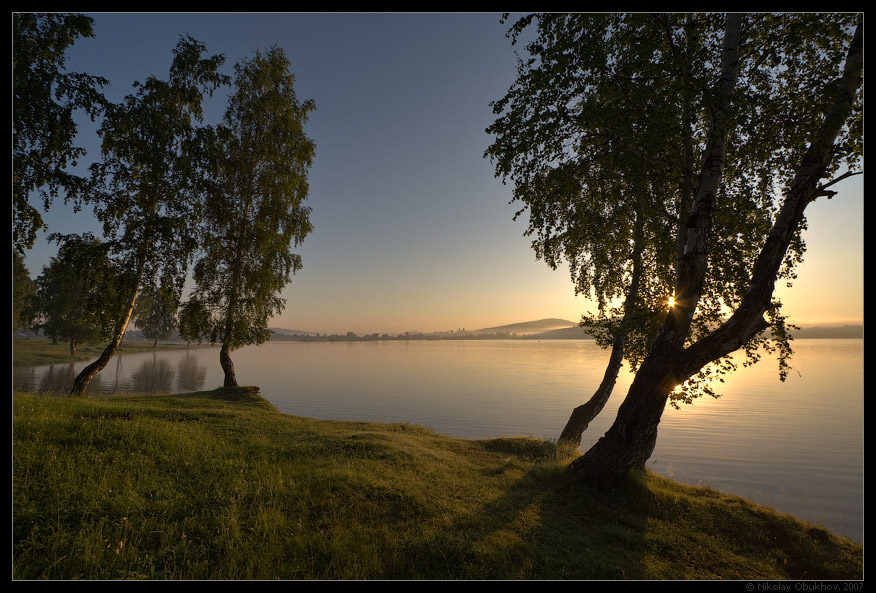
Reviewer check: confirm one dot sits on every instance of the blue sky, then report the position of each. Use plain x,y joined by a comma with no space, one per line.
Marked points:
412,230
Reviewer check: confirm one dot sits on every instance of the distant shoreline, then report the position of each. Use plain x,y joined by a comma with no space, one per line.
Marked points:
566,333
831,332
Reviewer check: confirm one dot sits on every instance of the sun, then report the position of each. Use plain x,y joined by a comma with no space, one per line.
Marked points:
671,302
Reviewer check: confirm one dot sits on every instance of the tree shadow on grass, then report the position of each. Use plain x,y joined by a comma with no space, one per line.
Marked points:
540,527
544,525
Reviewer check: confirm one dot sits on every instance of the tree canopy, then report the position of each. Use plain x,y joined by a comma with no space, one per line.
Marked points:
695,130
23,291
193,321
45,99
607,120
155,312
166,188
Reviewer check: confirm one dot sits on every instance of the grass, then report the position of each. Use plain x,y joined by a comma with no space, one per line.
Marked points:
37,351
219,485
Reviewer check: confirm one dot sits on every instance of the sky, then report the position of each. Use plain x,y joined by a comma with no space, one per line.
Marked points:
412,231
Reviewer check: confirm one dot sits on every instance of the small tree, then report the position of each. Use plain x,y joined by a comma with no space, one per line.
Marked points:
45,97
79,293
155,313
23,292
194,321
254,213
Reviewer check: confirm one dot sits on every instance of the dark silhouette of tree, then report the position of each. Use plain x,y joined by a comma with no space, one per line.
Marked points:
45,98
23,291
194,321
79,293
714,132
155,312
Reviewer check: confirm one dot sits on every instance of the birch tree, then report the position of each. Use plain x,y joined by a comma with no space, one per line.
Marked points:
762,111
148,184
254,213
591,200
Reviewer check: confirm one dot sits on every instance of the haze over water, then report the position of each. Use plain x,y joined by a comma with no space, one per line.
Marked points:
797,446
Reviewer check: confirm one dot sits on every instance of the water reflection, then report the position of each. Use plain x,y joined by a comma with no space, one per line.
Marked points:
150,372
191,373
57,377
153,376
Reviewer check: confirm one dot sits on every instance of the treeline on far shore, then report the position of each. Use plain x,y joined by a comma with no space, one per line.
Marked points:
352,337
827,332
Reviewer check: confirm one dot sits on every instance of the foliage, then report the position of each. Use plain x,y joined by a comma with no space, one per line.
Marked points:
604,126
193,321
45,98
253,214
80,292
759,137
148,193
155,312
23,291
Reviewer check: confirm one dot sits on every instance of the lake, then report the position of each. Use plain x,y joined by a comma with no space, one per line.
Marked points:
796,446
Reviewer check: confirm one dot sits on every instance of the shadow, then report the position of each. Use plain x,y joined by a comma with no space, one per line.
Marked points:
546,525
540,527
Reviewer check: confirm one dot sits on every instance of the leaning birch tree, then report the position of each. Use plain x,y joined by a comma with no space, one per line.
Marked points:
148,192
763,111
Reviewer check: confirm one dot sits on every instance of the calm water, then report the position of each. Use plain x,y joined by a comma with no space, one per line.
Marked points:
796,446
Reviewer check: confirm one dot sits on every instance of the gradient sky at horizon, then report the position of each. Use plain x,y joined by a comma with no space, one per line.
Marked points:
412,230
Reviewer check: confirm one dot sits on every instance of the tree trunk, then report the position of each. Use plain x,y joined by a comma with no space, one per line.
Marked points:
80,384
72,346
227,366
233,293
630,441
584,414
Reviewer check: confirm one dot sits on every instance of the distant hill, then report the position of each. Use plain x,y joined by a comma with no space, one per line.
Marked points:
528,327
562,329
564,333
834,331
805,333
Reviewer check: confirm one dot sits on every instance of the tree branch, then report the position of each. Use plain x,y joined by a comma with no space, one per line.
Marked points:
748,319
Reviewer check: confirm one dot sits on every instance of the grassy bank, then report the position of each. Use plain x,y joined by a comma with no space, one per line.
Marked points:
218,485
36,351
